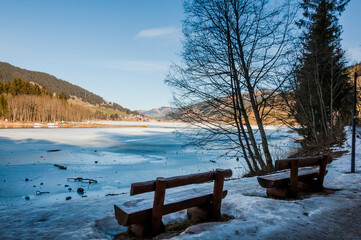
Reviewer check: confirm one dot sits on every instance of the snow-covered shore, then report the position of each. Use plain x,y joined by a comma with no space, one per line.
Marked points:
257,217
127,155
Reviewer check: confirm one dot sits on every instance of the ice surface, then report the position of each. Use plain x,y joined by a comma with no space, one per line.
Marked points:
131,154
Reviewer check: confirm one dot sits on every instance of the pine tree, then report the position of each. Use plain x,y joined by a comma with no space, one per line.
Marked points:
63,96
321,81
2,90
3,106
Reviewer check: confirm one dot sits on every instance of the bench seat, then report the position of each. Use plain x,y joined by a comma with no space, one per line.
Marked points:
305,174
283,178
140,210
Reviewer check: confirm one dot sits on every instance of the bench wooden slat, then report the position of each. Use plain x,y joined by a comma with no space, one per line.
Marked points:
172,182
127,219
188,203
302,162
137,212
142,187
279,179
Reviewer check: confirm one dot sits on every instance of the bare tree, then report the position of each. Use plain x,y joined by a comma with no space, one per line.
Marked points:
45,109
234,55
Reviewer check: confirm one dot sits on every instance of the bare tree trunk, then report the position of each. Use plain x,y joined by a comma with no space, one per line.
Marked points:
230,48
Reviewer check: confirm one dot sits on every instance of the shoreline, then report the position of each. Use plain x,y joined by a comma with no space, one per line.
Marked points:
18,125
100,124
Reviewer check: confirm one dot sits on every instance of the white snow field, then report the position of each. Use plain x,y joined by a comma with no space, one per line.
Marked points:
117,157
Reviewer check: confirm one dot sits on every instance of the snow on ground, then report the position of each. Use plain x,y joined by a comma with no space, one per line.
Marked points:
131,154
258,217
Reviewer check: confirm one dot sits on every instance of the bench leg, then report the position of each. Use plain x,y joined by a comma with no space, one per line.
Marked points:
286,191
305,186
144,229
139,229
294,178
321,172
279,192
200,213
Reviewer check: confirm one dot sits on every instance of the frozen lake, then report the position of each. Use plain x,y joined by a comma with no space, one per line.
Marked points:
115,157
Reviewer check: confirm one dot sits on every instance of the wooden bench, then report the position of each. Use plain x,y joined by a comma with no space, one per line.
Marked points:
301,176
144,216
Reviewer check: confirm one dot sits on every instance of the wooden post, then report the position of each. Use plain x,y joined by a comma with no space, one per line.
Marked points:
354,125
158,202
294,177
217,194
322,172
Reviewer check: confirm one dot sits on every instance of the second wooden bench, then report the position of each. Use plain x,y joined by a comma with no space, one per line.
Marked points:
287,184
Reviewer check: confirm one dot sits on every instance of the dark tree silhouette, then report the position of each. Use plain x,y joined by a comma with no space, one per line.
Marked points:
320,85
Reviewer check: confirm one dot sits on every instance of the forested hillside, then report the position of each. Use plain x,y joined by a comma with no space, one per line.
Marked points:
34,96
9,72
29,102
275,110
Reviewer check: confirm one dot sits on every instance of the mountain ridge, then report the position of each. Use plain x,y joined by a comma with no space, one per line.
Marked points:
160,112
9,72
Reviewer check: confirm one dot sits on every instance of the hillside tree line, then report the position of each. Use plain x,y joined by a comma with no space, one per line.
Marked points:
24,101
54,85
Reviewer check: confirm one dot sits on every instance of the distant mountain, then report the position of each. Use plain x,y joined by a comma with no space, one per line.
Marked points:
8,72
157,112
217,109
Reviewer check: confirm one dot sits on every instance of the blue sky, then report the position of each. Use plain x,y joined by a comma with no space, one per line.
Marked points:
120,49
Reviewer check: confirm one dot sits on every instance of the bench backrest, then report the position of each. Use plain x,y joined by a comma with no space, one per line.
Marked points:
172,182
302,162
